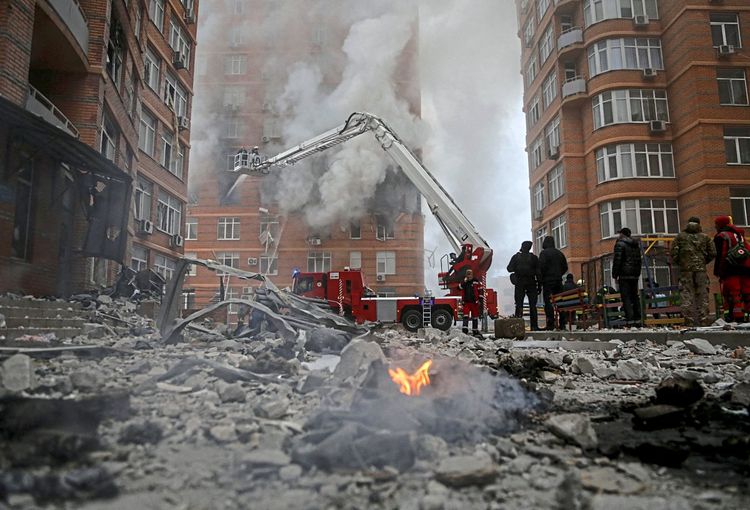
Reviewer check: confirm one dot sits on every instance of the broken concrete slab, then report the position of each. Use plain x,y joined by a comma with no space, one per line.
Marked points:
466,470
232,393
700,346
574,428
631,370
17,373
678,391
356,359
327,340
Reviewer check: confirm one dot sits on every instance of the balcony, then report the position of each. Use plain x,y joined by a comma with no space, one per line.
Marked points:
566,6
569,37
39,105
574,90
72,15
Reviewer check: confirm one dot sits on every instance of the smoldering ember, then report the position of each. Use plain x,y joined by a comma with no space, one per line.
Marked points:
305,412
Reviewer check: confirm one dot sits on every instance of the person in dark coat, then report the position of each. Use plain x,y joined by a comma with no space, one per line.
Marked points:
570,283
552,266
525,276
626,270
472,293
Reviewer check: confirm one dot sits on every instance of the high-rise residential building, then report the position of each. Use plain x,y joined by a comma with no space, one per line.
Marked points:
637,116
248,52
82,119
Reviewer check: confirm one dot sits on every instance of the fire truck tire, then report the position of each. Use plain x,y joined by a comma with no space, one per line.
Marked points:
442,319
412,320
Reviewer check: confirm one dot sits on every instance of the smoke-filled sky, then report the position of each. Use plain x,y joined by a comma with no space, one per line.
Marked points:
472,127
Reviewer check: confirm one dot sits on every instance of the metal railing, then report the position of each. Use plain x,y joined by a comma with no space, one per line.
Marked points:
38,104
71,13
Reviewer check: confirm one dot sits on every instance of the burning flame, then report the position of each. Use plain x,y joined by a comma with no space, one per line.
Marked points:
411,384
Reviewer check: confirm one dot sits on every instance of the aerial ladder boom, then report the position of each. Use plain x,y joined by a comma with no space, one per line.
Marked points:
476,253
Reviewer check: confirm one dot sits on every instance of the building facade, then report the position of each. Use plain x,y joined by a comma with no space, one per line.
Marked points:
84,117
242,72
637,116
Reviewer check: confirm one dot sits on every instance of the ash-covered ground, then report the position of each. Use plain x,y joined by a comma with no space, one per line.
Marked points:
264,422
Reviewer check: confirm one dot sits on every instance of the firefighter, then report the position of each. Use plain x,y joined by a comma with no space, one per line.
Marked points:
255,158
731,269
472,294
691,251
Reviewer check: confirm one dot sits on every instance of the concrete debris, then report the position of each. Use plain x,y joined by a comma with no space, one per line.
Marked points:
232,393
466,470
700,346
609,480
679,391
17,373
327,340
86,380
356,359
741,394
574,428
631,370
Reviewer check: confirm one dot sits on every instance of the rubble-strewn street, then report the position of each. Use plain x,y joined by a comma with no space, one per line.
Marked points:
271,421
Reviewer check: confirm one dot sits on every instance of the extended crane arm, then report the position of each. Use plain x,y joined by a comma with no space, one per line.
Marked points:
454,223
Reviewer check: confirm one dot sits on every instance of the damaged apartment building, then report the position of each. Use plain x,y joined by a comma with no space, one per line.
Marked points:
94,137
248,53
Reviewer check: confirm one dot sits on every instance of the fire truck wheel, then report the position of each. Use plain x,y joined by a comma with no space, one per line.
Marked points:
412,320
442,319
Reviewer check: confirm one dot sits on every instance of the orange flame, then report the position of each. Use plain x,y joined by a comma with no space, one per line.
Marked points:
411,384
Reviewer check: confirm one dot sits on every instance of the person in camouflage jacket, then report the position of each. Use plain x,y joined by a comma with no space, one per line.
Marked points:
691,251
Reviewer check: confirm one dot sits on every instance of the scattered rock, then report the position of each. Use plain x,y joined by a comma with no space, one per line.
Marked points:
607,479
104,299
631,370
678,391
147,432
466,470
312,381
741,394
272,458
290,472
700,346
356,359
86,380
232,393
574,428
658,417
224,433
272,409
95,331
327,340
17,373
583,365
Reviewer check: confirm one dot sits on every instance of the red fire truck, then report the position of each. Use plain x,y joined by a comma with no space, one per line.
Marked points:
346,291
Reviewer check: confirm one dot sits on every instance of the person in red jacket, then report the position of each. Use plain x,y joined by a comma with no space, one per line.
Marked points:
733,278
472,296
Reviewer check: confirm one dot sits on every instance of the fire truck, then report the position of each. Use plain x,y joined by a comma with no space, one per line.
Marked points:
347,291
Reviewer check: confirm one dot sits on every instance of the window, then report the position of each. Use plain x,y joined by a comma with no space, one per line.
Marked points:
192,268
528,33
541,8
640,216
549,88
168,213
165,266
23,218
236,36
536,153
269,265
634,160
740,200
541,233
595,11
386,262
138,23
384,228
233,127
737,145
234,96
175,95
147,133
552,134
179,41
144,190
188,298
271,128
633,105
108,138
228,258
559,227
115,53
235,64
547,43
239,7
556,183
318,262
151,64
625,53
732,87
191,229
156,13
533,112
355,259
138,258
167,143
269,230
228,229
233,308
531,69
725,29
539,196
355,230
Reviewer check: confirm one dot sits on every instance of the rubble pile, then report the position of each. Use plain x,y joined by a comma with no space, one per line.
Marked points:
307,417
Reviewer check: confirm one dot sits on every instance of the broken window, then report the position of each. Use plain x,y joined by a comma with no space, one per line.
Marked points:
115,52
269,230
355,230
23,217
192,268
138,258
164,266
384,228
108,137
167,156
269,265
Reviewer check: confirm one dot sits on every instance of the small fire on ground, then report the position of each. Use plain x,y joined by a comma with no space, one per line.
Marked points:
411,384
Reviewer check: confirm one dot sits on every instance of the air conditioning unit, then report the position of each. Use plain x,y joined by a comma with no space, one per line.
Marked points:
725,49
190,16
315,241
649,73
183,123
640,21
538,214
252,261
177,241
145,227
554,152
658,126
265,139
380,277
178,60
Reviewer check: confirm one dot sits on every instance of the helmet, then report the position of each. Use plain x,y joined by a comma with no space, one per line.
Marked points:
579,282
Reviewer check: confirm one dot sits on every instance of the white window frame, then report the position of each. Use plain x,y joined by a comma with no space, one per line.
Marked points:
536,153
167,150
168,213
552,133
559,230
228,258
634,161
549,88
652,105
233,127
138,258
108,138
539,200
534,111
156,13
385,228
541,233
617,214
546,43
318,261
192,268
147,132
740,198
723,25
191,229
165,266
595,11
737,143
142,198
179,41
385,262
234,95
528,32
556,183
235,64
532,69
355,259
541,8
152,65
268,265
736,86
228,228
625,53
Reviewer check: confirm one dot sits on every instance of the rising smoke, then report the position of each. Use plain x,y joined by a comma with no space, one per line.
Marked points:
471,127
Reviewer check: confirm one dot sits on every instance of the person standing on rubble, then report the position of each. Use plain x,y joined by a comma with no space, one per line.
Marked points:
691,251
732,267
525,276
626,271
472,297
552,266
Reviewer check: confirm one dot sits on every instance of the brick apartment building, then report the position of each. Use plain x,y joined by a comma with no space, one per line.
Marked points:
637,115
247,230
81,120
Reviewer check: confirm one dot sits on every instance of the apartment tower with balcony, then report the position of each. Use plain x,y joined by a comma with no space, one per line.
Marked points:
242,71
637,116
